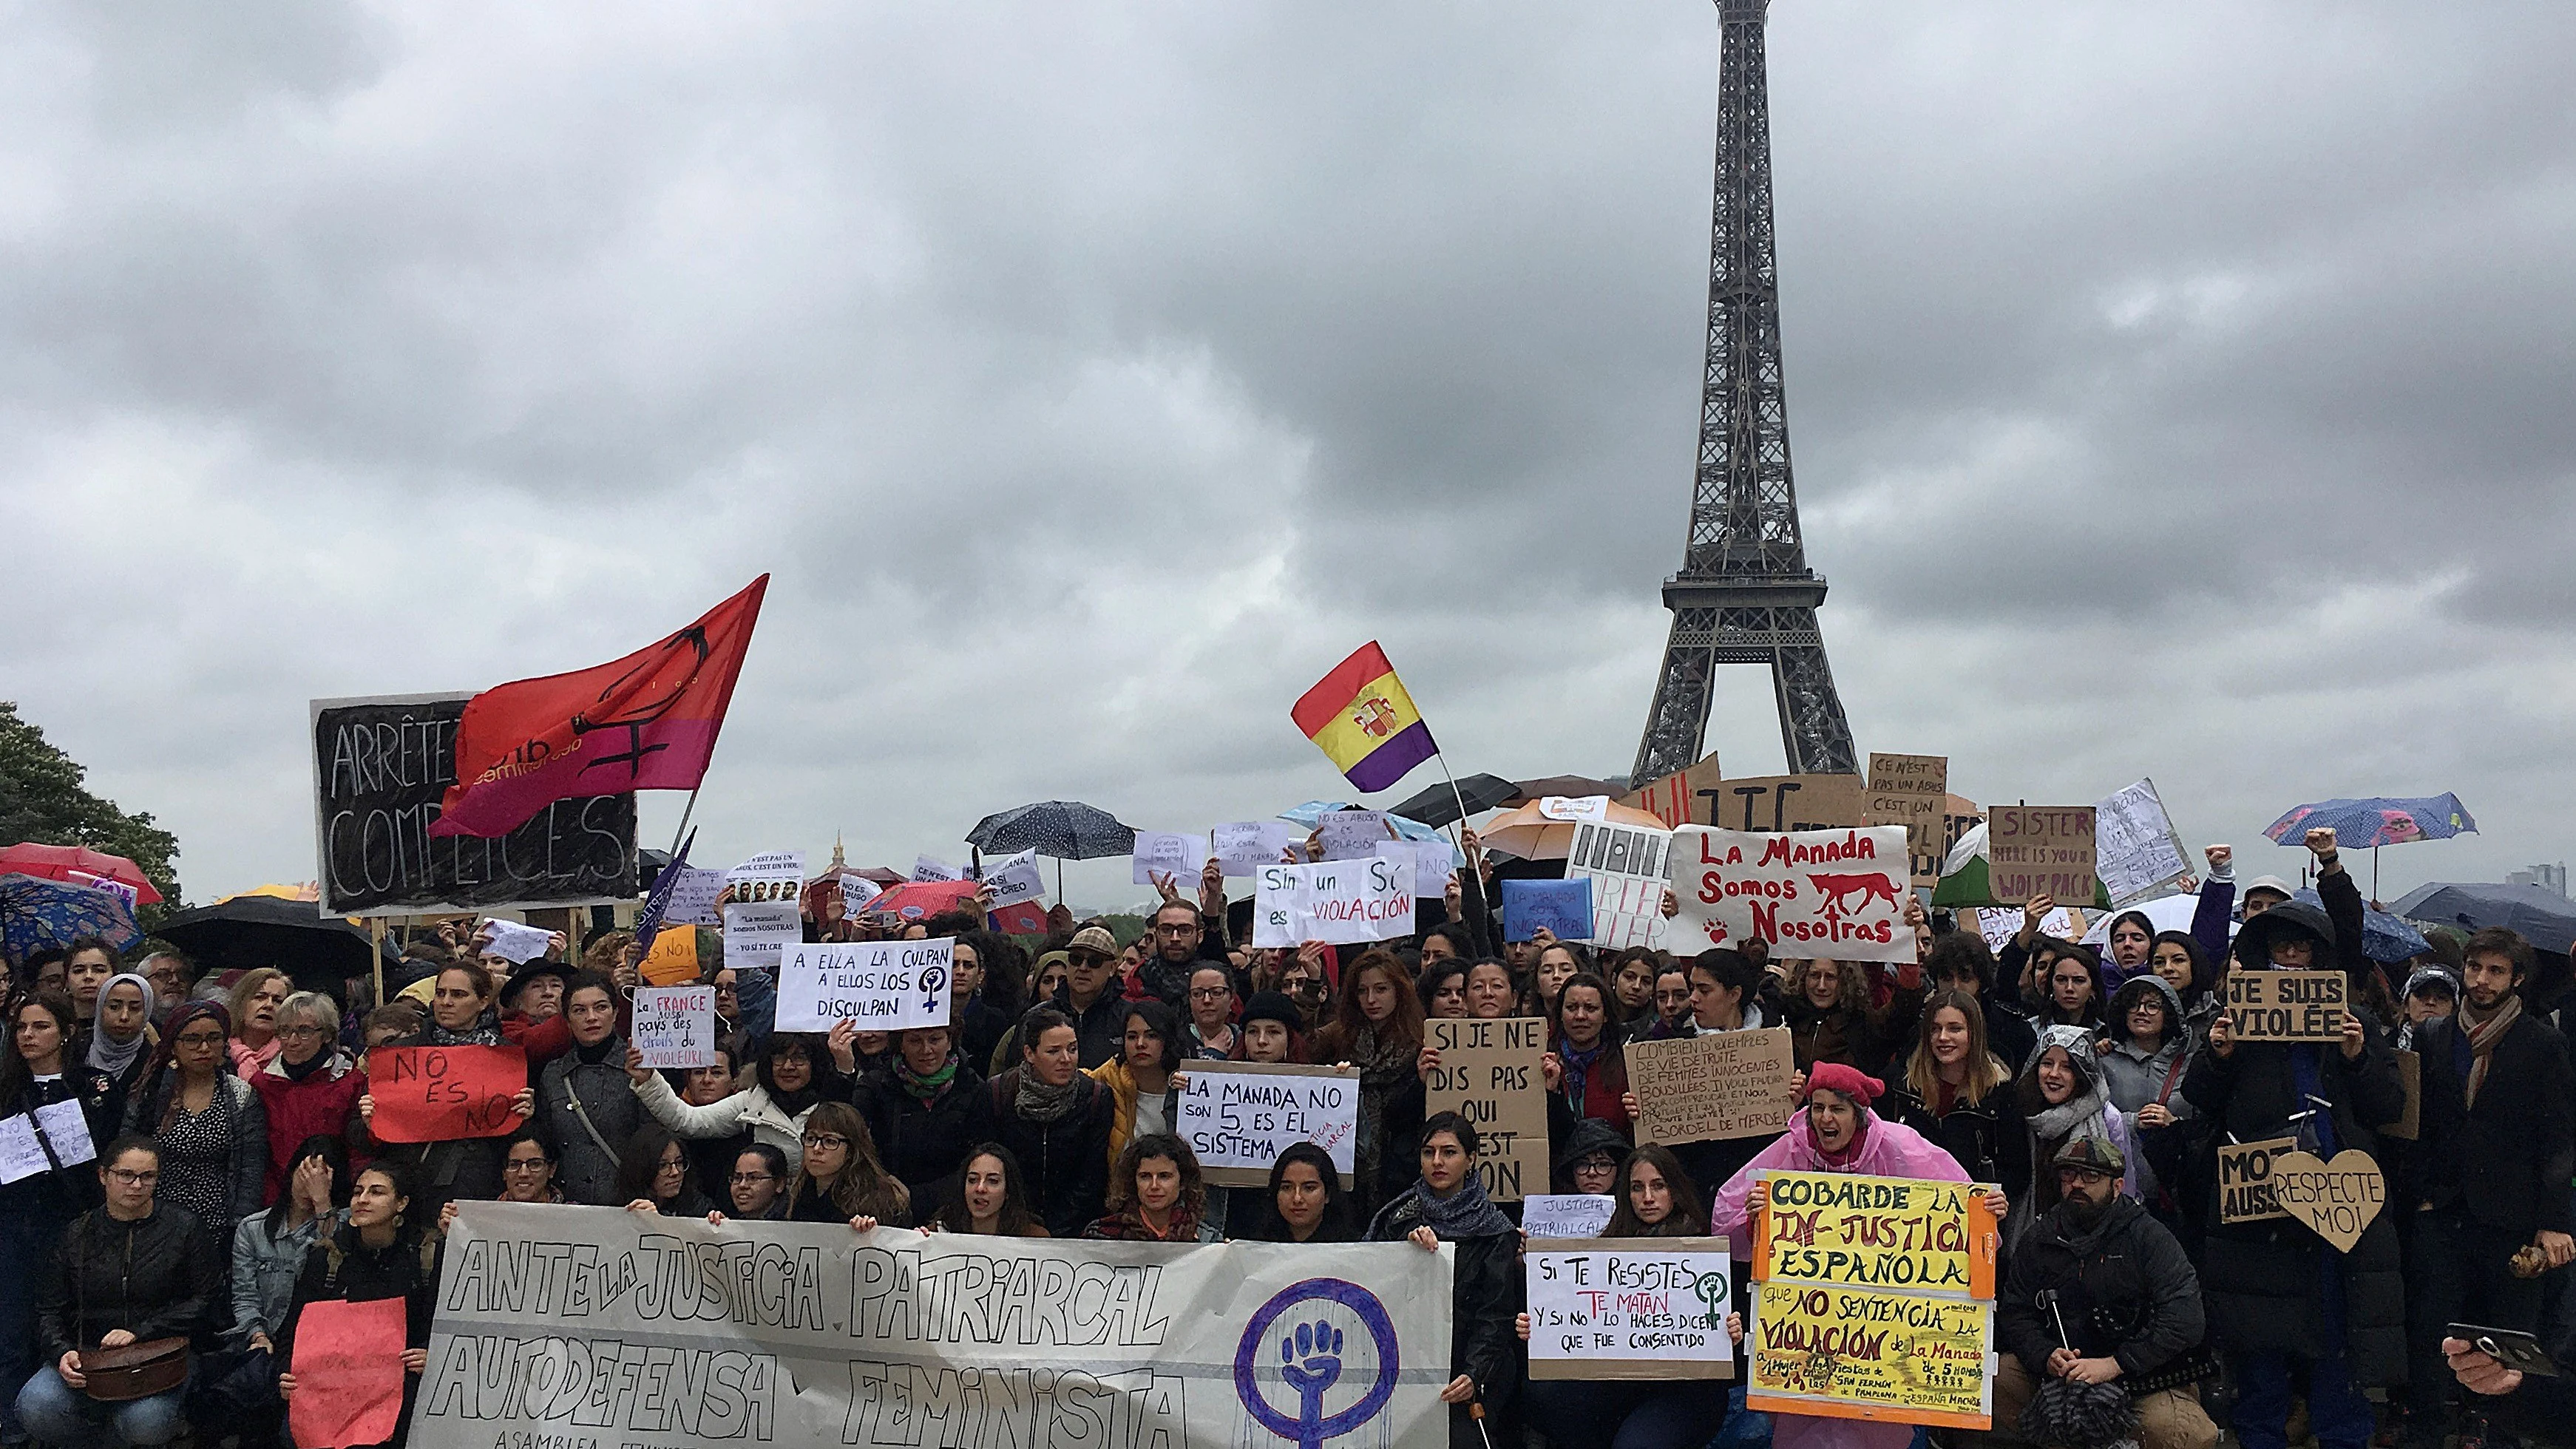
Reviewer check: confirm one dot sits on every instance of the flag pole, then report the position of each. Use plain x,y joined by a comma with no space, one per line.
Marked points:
685,810
1457,829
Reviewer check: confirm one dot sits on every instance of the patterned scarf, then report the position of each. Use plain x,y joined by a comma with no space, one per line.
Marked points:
1383,1064
925,1088
1040,1103
486,1031
1466,1213
1578,1067
2483,1036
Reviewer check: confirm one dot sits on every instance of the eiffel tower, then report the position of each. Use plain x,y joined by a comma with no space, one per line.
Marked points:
1744,594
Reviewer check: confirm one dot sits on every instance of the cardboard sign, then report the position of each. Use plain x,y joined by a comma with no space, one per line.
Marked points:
1631,1308
1567,1214
1489,1074
675,1026
439,1094
1431,861
1778,803
1629,868
2410,1075
348,1372
1352,834
1574,807
1912,790
2335,1200
1869,1353
1681,798
2245,1179
2285,1005
776,875
1245,846
1239,1116
2136,850
757,936
2040,850
878,985
1837,893
382,765
1715,1085
1875,1232
1341,902
1162,852
1015,880
1561,907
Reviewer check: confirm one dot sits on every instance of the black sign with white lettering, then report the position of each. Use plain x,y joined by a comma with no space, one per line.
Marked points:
380,767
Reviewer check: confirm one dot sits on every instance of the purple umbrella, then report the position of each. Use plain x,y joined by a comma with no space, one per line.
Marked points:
2375,822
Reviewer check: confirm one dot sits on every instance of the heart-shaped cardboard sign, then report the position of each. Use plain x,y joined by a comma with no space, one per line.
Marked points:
2337,1199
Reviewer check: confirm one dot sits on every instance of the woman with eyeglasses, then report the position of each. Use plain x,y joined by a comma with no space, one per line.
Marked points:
756,1188
654,1175
793,1078
926,1106
530,1171
208,1123
383,1251
34,1210
129,1271
309,1087
838,1177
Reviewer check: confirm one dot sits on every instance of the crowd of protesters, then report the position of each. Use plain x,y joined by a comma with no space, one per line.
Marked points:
236,1181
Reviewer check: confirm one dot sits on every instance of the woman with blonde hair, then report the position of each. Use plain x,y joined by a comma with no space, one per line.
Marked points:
253,1005
1957,1093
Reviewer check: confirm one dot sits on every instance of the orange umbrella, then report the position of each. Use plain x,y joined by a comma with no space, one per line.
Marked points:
1531,836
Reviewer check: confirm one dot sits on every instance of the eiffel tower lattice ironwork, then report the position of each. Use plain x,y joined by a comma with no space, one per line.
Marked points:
1744,594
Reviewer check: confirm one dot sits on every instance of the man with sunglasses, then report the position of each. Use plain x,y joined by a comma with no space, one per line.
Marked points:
2100,1293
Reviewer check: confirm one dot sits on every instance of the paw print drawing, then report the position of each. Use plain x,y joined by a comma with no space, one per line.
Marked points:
1311,1361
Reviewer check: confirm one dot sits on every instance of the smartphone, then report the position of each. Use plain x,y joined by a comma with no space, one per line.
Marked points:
2512,1349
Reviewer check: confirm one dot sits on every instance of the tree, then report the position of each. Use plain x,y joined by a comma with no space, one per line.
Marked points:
41,799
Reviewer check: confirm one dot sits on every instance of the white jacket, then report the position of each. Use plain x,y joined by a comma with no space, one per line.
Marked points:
748,1111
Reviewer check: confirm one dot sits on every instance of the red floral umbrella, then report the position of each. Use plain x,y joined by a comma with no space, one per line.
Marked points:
71,862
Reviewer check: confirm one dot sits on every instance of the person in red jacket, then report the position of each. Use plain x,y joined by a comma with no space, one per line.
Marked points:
1586,1069
310,1088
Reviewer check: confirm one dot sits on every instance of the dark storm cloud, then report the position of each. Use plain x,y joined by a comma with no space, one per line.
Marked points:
2170,391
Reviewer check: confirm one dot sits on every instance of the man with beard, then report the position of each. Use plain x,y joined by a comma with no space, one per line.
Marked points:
2488,1173
2099,1292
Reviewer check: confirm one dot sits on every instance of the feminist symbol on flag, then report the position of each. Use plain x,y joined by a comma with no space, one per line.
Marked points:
639,713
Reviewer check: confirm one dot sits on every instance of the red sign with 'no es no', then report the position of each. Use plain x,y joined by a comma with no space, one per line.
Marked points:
437,1094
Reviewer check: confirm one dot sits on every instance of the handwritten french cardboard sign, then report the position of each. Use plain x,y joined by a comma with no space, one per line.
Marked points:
2335,1200
1717,1084
2282,1006
1911,790
2245,1179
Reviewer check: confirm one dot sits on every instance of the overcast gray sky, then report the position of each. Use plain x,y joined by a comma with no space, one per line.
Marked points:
2178,391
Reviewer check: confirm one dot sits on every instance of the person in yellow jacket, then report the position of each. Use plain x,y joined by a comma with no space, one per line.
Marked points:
1144,1078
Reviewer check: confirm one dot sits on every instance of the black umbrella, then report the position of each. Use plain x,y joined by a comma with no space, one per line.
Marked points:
1436,807
1062,829
320,952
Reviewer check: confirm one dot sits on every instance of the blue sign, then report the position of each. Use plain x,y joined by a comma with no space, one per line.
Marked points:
1561,906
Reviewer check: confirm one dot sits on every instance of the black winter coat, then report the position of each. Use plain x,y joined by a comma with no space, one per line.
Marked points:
343,1268
63,1193
158,1277
2511,1156
2124,1289
2262,1277
1484,1299
1067,1160
1987,1140
924,1143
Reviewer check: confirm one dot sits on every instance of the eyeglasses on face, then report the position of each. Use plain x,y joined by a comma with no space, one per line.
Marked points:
523,1164
202,1039
826,1139
133,1179
1208,993
740,1178
299,1031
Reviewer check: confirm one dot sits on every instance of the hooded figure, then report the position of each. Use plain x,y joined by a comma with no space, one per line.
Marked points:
2052,1125
2136,1076
1588,1136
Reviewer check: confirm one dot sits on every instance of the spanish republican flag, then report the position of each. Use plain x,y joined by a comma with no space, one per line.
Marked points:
1361,718
646,722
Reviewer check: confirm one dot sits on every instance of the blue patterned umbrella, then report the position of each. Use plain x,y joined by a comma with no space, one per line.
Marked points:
2384,938
2375,821
36,913
1059,829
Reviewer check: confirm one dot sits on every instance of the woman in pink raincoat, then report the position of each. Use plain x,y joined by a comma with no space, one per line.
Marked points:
1834,1132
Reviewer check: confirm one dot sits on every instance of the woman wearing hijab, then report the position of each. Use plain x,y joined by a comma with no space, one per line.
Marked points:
208,1123
120,1038
1447,1204
1835,1131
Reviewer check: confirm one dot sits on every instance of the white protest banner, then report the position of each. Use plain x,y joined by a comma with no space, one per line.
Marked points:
857,891
675,1026
879,985
1352,834
755,936
513,942
1015,879
1432,864
1838,893
693,899
1243,847
1567,1214
1164,852
2136,850
777,875
1631,1308
1999,924
930,868
1629,873
55,1136
577,1324
1574,807
1238,1116
1339,902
